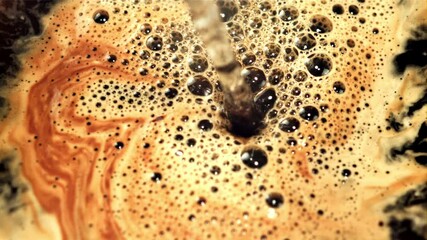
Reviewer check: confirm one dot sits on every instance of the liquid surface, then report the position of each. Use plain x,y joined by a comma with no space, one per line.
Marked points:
116,125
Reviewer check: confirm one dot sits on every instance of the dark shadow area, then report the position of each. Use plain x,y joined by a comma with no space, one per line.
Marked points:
405,228
415,55
418,146
10,185
18,19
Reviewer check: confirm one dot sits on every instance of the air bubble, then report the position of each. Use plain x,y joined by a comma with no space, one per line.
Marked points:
191,142
300,76
353,10
144,54
320,24
291,54
236,32
248,59
265,100
338,9
146,28
274,200
265,6
346,173
227,10
305,41
319,65
101,16
199,86
339,87
215,170
309,113
112,58
256,23
119,145
288,13
254,157
171,93
156,177
255,77
272,50
176,37
201,201
275,76
198,63
154,43
289,124
205,125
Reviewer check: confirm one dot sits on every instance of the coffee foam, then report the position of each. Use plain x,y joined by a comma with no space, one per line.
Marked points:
94,117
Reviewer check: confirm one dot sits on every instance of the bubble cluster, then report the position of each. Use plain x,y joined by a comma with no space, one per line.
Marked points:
133,138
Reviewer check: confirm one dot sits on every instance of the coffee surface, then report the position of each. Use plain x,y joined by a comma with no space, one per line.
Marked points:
117,128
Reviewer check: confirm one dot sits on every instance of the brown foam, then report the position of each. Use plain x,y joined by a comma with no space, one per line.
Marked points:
97,191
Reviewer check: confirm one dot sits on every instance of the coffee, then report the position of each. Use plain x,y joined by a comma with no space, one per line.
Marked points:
118,119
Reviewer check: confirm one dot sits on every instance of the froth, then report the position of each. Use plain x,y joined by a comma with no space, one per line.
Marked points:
118,121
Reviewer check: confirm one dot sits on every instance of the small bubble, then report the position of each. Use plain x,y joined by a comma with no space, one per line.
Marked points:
296,91
275,76
319,65
215,170
338,9
205,125
248,59
101,16
351,43
227,10
305,41
291,141
300,76
214,189
191,142
264,6
236,32
272,50
289,124
176,36
143,72
346,173
309,113
146,28
254,158
320,24
291,54
339,87
201,201
171,93
199,86
353,10
112,58
144,54
288,13
156,177
254,77
179,137
119,145
235,168
274,200
198,63
256,23
154,43
265,100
